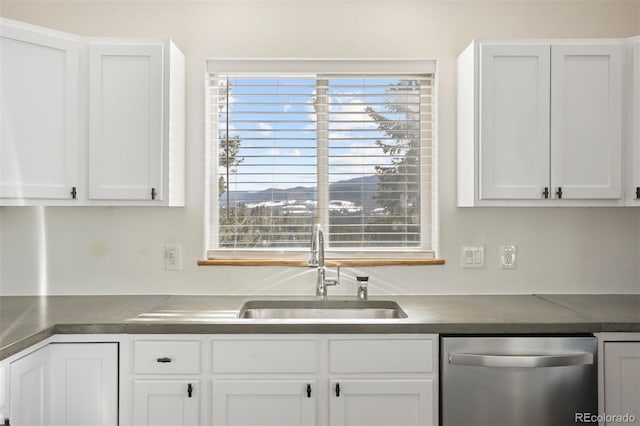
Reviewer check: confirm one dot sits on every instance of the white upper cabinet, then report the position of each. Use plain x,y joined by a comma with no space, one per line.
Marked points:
514,121
39,93
125,121
633,121
130,140
89,121
540,123
586,120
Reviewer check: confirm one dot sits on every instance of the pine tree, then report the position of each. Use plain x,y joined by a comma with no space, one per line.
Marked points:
398,182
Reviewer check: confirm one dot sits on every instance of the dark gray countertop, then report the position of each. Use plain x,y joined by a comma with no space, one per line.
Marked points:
25,320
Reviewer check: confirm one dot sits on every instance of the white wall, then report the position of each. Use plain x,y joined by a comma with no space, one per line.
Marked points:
119,250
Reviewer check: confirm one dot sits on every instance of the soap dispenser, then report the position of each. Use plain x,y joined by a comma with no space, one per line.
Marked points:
363,283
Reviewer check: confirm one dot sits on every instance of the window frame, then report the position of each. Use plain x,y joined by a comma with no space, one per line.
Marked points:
279,67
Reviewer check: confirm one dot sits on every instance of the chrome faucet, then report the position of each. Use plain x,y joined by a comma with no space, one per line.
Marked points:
316,259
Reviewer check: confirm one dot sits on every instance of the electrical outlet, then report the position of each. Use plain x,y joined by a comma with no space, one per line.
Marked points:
472,257
508,258
172,258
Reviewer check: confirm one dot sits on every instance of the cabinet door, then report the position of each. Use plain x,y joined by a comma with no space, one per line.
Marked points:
621,379
4,392
634,122
39,83
30,389
381,402
586,121
84,384
264,403
514,121
166,403
125,121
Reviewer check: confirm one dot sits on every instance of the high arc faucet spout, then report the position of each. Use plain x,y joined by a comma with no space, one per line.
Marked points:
316,259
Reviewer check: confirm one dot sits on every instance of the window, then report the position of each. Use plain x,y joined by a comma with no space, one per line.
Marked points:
304,142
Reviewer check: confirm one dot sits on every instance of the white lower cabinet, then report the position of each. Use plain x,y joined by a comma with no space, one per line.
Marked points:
345,380
281,380
84,383
404,402
619,378
264,402
166,402
65,384
30,383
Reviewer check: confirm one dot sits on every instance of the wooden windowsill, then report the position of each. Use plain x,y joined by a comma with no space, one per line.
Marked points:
328,262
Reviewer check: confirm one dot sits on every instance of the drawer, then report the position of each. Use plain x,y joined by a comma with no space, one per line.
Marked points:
381,355
264,356
166,357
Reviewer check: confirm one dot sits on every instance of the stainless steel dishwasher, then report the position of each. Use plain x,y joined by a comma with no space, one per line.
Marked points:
512,381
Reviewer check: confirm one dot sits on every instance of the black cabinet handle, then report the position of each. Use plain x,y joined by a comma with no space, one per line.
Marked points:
74,193
559,192
153,193
189,390
638,193
545,193
337,390
165,359
308,390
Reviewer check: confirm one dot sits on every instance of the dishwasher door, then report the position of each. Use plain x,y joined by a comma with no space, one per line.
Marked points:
512,381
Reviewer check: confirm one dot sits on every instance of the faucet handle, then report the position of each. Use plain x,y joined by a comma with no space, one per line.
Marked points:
336,281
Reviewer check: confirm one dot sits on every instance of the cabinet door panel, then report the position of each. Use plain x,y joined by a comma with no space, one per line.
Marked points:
30,389
84,384
514,121
586,121
125,121
621,379
39,80
166,403
264,403
381,403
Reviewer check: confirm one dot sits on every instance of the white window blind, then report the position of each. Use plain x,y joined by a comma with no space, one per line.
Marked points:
350,151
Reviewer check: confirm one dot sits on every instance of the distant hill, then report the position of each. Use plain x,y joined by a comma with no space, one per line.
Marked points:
359,191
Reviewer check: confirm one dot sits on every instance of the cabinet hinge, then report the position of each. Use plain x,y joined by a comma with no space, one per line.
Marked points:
559,192
74,193
153,193
638,193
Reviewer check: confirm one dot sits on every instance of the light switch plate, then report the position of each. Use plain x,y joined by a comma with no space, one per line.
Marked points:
472,257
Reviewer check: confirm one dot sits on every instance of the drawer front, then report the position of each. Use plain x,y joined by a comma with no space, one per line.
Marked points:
381,356
264,356
166,357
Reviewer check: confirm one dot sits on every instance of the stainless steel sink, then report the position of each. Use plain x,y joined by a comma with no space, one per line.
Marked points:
321,309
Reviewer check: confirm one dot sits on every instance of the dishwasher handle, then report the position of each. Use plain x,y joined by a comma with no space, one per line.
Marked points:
521,361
